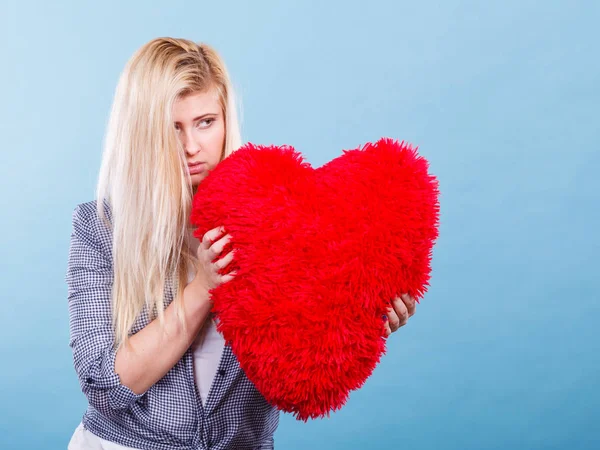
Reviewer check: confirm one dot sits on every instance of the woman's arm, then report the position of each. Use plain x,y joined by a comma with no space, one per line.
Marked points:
89,279
154,350
113,379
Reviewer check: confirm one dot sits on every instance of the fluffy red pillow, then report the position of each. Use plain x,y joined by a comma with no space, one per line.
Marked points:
320,253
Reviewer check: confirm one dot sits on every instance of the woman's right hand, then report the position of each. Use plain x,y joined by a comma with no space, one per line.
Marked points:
210,260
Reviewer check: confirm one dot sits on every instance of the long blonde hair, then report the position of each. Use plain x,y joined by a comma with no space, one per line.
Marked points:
143,174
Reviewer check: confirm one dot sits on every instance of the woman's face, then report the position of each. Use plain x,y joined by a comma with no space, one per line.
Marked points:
200,126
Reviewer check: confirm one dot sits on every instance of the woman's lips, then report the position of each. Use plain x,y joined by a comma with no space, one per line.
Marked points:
196,168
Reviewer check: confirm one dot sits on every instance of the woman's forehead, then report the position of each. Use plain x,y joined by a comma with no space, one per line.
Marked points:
198,103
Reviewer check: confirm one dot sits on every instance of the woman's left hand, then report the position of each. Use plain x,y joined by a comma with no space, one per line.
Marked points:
398,313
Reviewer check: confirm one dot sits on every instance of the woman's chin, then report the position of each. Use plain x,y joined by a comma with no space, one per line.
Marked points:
197,179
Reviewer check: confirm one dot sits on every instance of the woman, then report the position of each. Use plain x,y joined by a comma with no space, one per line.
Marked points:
156,372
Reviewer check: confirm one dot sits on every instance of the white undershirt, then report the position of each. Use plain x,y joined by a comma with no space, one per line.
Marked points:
208,345
207,349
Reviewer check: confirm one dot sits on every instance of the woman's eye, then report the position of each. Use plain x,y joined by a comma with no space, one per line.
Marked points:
205,121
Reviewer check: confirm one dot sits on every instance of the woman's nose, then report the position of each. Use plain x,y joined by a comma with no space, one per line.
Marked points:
189,144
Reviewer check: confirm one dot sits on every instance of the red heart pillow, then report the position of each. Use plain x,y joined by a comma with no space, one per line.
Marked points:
320,253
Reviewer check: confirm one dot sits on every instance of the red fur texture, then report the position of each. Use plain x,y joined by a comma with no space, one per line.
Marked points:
320,253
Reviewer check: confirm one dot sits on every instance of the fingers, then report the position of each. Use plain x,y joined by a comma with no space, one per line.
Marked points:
217,247
225,260
410,304
401,311
393,321
387,328
230,276
213,243
209,253
210,236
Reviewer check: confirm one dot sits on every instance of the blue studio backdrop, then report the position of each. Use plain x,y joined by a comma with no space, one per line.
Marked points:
501,97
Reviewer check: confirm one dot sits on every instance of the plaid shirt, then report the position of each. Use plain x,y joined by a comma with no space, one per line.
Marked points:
169,415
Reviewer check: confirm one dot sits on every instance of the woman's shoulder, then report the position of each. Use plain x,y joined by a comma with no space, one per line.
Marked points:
89,209
87,222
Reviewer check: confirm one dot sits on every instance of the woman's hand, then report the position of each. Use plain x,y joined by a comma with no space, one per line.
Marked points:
398,313
211,262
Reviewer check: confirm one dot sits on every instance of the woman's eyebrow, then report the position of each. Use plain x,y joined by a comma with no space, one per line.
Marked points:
202,116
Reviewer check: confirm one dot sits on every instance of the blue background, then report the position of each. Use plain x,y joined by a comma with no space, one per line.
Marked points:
501,97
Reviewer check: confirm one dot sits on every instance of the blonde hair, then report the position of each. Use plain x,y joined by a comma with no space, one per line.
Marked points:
143,176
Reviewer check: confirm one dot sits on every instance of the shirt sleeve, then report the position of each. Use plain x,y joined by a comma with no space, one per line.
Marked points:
89,280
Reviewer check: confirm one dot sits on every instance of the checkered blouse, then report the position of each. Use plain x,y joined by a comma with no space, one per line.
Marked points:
169,415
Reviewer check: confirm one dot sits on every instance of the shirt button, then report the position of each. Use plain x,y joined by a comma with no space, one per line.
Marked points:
89,380
222,372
